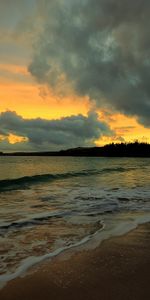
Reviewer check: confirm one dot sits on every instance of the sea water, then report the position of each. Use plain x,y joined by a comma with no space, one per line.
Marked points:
50,204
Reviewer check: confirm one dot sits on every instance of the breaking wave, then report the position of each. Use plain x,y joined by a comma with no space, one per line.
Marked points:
26,181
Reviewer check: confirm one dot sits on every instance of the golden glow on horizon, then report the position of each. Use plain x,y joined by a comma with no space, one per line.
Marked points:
126,129
2,137
19,93
13,139
26,101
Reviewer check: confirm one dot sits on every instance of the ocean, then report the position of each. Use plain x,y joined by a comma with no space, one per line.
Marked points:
51,204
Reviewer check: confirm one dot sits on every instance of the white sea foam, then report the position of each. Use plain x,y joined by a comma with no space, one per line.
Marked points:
90,242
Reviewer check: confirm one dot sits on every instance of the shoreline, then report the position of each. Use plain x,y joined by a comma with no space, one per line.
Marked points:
88,242
117,269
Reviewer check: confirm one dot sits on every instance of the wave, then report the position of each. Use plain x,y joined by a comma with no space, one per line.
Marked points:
95,238
26,181
29,262
38,219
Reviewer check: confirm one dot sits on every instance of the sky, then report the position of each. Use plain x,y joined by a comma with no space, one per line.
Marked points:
73,73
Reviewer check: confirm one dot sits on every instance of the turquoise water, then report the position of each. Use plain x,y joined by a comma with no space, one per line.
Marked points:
49,204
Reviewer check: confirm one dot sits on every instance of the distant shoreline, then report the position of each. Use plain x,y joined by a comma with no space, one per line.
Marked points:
135,149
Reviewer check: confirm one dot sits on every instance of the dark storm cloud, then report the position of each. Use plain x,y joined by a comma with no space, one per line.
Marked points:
102,47
67,132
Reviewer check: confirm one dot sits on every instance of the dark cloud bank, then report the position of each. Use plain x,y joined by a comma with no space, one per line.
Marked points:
51,134
102,47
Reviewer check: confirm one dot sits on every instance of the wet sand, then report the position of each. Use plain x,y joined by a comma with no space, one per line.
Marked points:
118,269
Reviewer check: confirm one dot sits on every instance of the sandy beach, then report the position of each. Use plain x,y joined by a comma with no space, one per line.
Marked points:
118,269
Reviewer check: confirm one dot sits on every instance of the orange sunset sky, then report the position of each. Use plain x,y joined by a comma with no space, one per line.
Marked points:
22,28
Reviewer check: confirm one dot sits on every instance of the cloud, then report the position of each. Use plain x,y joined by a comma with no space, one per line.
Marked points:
11,12
101,47
45,134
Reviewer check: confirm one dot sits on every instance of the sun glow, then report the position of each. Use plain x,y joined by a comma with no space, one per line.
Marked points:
14,139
